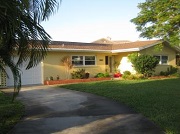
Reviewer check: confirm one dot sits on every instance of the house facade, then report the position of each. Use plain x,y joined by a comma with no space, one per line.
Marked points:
98,57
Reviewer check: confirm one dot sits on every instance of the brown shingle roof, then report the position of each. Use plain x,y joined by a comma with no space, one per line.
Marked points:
61,45
137,44
121,41
78,45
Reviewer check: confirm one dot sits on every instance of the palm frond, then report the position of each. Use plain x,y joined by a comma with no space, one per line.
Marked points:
21,34
8,62
43,9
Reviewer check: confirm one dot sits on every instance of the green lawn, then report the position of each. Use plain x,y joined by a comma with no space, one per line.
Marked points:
10,113
159,100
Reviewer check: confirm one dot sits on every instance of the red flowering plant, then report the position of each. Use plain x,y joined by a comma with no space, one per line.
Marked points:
117,75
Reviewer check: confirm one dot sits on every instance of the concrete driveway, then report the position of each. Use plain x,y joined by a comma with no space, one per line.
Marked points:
53,110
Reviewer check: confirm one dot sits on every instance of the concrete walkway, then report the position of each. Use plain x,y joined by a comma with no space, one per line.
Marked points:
53,110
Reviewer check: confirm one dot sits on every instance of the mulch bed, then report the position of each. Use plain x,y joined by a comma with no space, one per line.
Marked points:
69,81
66,81
161,77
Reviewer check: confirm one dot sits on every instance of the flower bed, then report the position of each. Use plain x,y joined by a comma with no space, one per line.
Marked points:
54,82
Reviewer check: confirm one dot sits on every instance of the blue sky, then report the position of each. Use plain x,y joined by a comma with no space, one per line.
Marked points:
89,20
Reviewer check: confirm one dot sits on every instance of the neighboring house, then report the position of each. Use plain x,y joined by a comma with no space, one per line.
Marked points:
100,56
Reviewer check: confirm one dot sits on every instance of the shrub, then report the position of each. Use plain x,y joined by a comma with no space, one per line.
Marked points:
78,74
163,73
126,73
170,71
176,74
133,77
128,76
144,64
106,74
102,75
99,75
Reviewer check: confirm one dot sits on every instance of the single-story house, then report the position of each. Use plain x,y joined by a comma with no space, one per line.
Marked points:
96,57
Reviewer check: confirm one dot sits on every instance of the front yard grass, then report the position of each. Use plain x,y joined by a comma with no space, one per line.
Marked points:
158,100
10,113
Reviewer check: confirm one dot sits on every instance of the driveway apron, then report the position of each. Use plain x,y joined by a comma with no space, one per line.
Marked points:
53,110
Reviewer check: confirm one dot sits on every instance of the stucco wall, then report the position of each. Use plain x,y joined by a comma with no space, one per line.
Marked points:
167,51
53,65
125,65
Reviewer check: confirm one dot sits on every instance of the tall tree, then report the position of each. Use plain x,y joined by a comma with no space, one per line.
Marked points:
159,19
21,34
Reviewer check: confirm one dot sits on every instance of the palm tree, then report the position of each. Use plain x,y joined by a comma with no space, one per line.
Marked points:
21,34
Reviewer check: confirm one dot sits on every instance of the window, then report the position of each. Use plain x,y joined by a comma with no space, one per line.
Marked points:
77,60
162,59
83,60
89,60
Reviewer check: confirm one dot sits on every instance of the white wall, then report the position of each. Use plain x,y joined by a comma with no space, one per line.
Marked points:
126,65
28,77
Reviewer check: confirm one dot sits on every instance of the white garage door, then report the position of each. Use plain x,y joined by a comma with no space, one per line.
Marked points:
28,77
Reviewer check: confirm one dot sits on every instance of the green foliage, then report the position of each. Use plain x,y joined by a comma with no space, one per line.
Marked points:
159,19
21,34
128,76
144,64
99,75
102,75
176,75
10,113
126,73
158,47
79,74
132,57
170,71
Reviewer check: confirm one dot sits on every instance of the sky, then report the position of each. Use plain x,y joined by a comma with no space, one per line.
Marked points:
90,20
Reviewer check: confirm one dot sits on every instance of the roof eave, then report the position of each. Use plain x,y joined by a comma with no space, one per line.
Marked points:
79,50
126,50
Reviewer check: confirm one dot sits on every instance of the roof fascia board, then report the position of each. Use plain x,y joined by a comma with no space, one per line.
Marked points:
125,50
78,50
88,50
